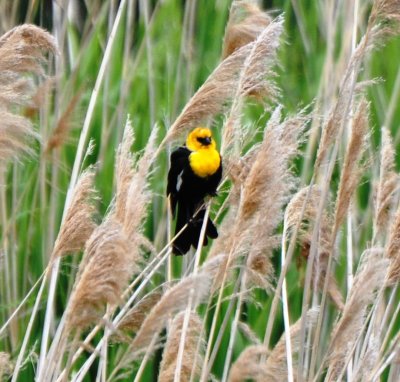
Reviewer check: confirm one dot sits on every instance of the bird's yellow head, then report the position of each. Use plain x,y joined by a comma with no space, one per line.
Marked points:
200,138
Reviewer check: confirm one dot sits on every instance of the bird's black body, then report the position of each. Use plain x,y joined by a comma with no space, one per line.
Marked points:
187,192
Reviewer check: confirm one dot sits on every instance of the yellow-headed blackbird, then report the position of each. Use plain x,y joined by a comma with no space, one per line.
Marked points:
195,172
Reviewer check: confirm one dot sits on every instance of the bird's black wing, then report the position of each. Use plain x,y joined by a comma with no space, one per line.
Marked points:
179,161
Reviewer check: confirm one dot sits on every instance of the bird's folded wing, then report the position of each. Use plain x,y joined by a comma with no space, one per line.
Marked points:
179,161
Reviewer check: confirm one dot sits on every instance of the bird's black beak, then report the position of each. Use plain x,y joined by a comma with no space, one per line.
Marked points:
207,141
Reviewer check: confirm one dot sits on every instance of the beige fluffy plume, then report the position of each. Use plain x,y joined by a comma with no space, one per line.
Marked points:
372,270
388,183
193,355
266,189
176,299
352,166
113,251
245,24
107,268
78,224
23,53
305,204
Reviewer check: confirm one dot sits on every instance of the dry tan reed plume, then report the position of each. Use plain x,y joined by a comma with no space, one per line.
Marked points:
133,320
383,23
112,252
23,51
368,280
352,167
257,78
368,361
108,268
214,95
78,224
138,195
246,22
276,364
193,355
265,191
292,215
175,300
124,169
388,183
64,126
248,366
6,366
393,249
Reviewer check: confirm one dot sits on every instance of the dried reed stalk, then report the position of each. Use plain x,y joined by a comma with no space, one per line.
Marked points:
245,24
78,224
368,280
192,358
388,183
22,53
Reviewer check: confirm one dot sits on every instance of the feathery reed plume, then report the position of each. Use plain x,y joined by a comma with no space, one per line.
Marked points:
372,39
64,125
292,215
108,264
5,365
175,300
276,364
248,366
124,170
370,358
134,318
257,77
193,355
248,333
388,183
138,195
352,169
267,188
78,224
214,95
22,51
393,249
246,22
368,280
386,15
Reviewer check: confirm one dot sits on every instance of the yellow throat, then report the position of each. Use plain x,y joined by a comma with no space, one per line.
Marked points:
204,159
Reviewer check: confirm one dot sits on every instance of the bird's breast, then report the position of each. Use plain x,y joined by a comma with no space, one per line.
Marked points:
204,162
